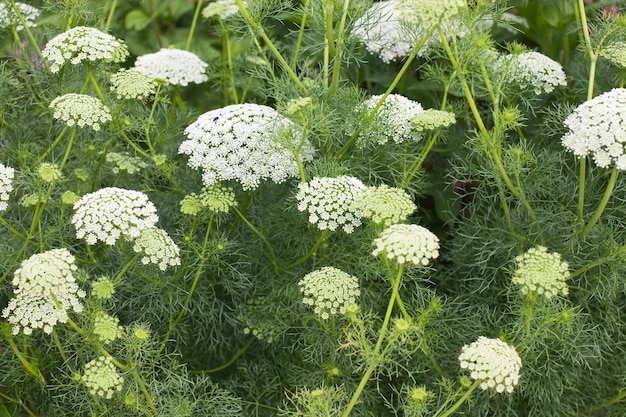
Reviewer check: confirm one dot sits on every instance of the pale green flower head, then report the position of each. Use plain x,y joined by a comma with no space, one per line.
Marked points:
432,119
8,17
101,378
220,8
419,401
132,84
107,328
430,12
217,198
386,205
103,288
615,53
191,205
493,362
49,172
330,291
141,332
32,199
80,110
157,247
6,185
407,244
123,162
296,105
69,198
541,273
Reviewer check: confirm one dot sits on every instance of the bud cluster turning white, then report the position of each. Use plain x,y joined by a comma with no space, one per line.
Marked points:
158,248
240,142
386,205
532,70
615,53
9,18
81,44
107,328
431,119
392,121
123,162
6,185
80,110
45,291
332,202
175,66
407,243
493,362
429,13
133,84
330,291
101,378
221,8
540,272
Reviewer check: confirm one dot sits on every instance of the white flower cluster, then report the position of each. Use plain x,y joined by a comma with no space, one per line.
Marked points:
392,121
111,213
175,66
101,378
133,84
158,248
123,162
540,272
6,185
330,291
432,119
80,110
81,44
493,362
221,8
332,202
615,53
386,205
408,243
598,127
45,291
107,328
430,13
9,18
532,70
239,142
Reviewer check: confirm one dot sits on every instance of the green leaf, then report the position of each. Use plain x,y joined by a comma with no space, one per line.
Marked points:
137,19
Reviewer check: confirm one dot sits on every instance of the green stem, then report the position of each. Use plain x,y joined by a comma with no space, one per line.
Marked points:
528,313
310,253
29,34
337,59
294,62
107,24
460,401
54,143
196,14
125,268
68,149
230,361
57,342
32,369
18,402
260,235
226,49
14,231
605,199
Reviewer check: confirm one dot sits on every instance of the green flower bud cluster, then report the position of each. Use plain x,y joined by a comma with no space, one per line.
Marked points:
49,172
107,328
540,272
102,288
330,291
123,162
101,378
432,119
133,84
386,205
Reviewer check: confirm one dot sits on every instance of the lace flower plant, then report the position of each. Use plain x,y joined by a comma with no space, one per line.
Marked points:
101,378
532,70
540,272
386,205
239,142
598,128
392,121
82,44
332,202
111,213
157,247
493,362
45,291
330,291
9,18
80,110
6,185
175,66
407,244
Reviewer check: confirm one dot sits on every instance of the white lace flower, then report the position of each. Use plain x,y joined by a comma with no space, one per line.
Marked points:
45,290
101,377
222,8
330,291
391,122
540,272
332,202
175,66
6,185
9,18
532,70
82,44
407,243
598,128
493,362
80,110
112,213
157,247
241,142
386,205
107,328
133,84
429,13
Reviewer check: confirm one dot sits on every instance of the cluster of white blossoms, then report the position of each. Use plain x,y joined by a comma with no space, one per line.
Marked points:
112,213
221,8
82,44
8,17
45,291
158,248
429,13
80,110
330,291
540,272
431,119
615,53
407,243
6,185
107,328
133,84
332,202
598,128
392,121
101,378
532,70
386,205
123,162
175,66
240,142
493,362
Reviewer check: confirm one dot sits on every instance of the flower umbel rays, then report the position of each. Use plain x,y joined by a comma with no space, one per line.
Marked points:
330,291
407,244
80,110
175,66
540,272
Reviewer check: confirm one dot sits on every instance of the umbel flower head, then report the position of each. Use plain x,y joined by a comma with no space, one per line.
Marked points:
6,185
107,328
175,66
386,205
540,272
123,162
532,70
407,244
432,119
80,110
45,290
332,202
157,247
111,213
429,13
615,53
9,18
240,142
330,291
598,128
391,122
221,8
49,172
81,44
101,378
493,362
133,84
